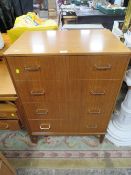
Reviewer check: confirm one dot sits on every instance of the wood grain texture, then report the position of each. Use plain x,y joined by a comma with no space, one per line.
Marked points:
38,68
50,110
9,125
67,42
97,66
6,86
68,93
8,111
68,67
4,170
5,167
51,127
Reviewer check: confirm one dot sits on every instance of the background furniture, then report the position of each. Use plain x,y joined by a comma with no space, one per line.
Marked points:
8,111
91,17
5,167
81,26
67,81
9,105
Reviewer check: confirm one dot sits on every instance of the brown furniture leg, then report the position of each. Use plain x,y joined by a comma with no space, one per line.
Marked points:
34,139
101,138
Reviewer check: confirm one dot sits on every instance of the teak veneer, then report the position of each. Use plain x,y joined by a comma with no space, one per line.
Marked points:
68,81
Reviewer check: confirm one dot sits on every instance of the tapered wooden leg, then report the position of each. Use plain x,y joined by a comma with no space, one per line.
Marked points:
101,138
34,139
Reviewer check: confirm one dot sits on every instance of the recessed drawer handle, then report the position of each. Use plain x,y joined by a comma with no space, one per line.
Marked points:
108,67
41,111
94,112
32,68
91,126
97,93
37,92
5,125
45,126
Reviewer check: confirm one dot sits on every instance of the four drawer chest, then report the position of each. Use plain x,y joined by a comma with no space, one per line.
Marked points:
67,81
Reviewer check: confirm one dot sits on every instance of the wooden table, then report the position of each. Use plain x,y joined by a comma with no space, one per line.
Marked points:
7,90
92,17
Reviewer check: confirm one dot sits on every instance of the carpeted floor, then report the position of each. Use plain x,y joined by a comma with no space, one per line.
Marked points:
18,145
21,171
62,152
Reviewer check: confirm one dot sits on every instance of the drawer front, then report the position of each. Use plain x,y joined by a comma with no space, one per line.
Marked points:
92,125
48,111
37,68
72,110
97,67
8,115
92,98
78,111
8,111
72,67
82,91
100,97
9,125
53,126
85,125
93,92
47,91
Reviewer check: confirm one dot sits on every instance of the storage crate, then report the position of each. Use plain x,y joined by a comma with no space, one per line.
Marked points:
112,11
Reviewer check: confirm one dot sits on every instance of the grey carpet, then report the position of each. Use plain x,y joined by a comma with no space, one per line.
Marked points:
23,171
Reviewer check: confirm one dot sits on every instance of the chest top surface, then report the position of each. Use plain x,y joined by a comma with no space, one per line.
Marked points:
85,42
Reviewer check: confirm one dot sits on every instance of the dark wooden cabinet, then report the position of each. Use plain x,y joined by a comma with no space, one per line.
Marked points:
67,81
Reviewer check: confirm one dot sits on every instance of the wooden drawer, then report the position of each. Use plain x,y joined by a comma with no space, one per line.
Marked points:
9,125
38,68
82,91
48,111
8,111
53,126
79,111
47,91
62,67
45,125
97,67
85,125
72,110
88,90
92,125
92,98
4,170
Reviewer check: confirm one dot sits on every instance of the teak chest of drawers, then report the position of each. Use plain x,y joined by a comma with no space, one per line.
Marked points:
67,81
